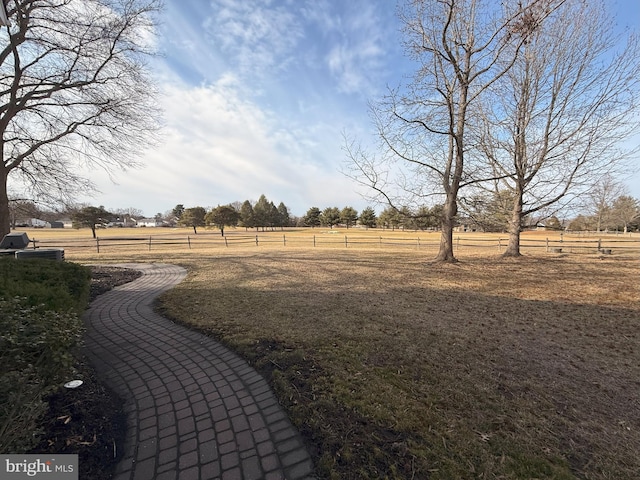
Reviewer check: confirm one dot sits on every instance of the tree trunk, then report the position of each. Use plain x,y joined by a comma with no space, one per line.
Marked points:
515,228
222,230
513,248
5,220
93,231
450,210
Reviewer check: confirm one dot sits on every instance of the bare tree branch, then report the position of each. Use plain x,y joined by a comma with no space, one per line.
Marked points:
555,123
462,48
74,91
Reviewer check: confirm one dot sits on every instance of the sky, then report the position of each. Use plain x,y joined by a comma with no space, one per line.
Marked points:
257,96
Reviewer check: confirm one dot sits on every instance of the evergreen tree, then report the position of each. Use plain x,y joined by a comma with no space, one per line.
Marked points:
283,215
262,212
193,217
273,218
91,217
177,211
223,216
247,216
312,218
368,217
330,216
390,218
423,218
348,216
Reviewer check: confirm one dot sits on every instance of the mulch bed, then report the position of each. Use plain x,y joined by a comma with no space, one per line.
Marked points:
88,420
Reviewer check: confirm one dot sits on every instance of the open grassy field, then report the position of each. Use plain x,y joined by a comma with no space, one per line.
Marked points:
486,369
394,367
172,240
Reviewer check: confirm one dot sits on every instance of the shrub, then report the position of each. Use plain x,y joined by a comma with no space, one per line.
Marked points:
39,326
59,286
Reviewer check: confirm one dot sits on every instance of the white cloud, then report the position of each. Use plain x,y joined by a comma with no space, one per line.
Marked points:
235,127
257,34
219,147
185,46
356,37
319,12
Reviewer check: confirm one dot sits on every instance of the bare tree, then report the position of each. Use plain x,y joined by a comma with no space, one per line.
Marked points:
131,212
461,47
600,199
20,209
74,92
555,123
625,210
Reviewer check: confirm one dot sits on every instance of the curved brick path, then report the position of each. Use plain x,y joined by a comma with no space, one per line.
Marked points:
195,410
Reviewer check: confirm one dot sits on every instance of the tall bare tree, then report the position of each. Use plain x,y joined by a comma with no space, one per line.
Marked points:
625,210
74,92
461,48
600,199
555,123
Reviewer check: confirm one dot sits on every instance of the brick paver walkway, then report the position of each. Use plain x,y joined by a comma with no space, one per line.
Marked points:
195,410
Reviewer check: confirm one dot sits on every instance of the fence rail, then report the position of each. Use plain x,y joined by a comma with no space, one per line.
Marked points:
564,244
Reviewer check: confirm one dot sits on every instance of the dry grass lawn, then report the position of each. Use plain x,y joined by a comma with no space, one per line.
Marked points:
396,368
393,367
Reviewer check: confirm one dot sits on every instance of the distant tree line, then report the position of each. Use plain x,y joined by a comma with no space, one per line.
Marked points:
423,219
623,214
606,208
263,214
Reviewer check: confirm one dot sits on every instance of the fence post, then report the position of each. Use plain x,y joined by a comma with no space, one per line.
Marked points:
345,242
149,242
256,240
547,244
98,244
381,241
284,240
418,247
458,243
226,244
314,240
599,244
189,241
499,244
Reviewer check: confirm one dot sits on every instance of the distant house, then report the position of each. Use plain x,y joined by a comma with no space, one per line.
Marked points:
63,223
149,222
125,221
130,221
468,226
33,223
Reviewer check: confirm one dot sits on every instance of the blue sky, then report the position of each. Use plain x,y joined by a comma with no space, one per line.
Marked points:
256,97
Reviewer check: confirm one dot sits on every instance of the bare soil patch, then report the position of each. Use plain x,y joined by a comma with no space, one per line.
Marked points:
393,367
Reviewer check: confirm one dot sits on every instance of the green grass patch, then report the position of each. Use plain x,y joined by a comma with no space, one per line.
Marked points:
58,286
40,303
